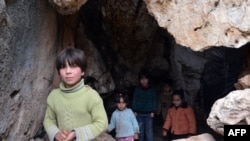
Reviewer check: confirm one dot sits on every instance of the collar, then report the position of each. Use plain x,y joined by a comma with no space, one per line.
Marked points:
75,88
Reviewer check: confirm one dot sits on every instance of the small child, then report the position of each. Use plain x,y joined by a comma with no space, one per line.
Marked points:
74,111
123,120
164,98
145,105
180,120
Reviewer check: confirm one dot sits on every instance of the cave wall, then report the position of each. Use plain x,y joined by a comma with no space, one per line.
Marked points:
203,24
127,39
28,46
221,71
119,37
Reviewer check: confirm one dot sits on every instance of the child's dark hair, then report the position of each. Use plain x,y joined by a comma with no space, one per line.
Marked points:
168,81
73,56
144,73
181,94
119,95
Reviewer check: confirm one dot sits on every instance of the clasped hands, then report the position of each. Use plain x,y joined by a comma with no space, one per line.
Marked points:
65,135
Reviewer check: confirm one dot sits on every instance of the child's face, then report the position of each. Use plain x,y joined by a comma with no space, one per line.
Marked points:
166,88
70,75
121,105
144,81
177,100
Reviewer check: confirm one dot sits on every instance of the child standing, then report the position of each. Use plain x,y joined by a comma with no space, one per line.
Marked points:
180,120
74,111
145,106
164,98
123,120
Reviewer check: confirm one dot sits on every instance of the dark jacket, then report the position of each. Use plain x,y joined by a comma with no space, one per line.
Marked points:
144,100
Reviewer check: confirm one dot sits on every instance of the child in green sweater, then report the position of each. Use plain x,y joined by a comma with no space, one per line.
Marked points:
74,111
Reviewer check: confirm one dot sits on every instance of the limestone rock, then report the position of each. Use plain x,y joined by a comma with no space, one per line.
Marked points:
66,7
200,137
104,137
243,82
233,109
202,24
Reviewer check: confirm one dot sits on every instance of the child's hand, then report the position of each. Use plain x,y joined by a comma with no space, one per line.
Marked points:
152,115
61,135
164,133
136,136
71,136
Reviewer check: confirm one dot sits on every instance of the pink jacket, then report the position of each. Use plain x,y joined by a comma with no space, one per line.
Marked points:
180,121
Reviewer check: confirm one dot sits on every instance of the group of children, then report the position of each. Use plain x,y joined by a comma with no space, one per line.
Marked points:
75,111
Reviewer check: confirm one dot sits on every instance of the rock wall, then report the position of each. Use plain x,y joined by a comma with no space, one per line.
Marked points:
28,37
120,37
233,109
202,24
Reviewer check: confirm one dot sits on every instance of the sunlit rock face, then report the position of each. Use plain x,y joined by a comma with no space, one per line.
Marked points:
233,109
243,82
200,24
66,7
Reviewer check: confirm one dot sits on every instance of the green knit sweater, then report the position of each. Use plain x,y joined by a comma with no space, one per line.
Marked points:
79,108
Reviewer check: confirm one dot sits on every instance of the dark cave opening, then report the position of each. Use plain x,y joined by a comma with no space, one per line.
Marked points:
222,68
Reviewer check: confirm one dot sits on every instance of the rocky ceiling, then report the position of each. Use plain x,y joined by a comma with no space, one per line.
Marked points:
197,24
201,24
200,45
